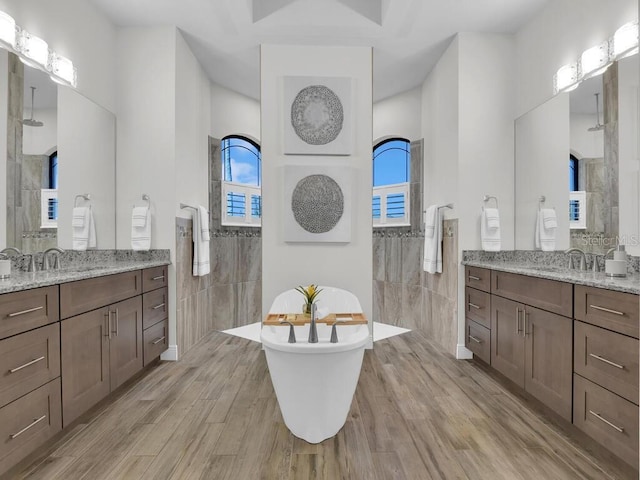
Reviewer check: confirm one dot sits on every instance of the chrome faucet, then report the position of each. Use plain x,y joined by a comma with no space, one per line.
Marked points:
11,249
583,259
45,258
292,333
31,266
313,332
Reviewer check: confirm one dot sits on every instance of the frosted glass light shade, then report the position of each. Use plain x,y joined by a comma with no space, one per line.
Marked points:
63,71
594,61
7,31
566,79
34,50
625,41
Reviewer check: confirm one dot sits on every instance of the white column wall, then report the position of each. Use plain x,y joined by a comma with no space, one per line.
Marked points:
286,265
399,116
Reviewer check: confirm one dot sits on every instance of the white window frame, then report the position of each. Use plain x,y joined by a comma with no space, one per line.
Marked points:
581,197
45,195
248,191
383,192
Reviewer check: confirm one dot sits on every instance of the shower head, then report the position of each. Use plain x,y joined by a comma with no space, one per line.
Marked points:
31,122
598,126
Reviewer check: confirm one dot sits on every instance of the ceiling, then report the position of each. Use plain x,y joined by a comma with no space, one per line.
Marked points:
408,36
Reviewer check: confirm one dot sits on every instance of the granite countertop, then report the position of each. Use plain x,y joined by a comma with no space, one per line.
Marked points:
25,280
628,284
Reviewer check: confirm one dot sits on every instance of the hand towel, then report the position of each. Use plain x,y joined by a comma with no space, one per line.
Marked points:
141,228
83,229
139,216
549,218
490,237
204,223
545,238
432,261
493,218
201,265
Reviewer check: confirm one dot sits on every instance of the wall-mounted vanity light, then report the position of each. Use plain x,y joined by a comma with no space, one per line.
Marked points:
7,31
35,52
597,59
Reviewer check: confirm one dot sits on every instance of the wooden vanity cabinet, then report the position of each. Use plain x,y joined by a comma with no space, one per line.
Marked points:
478,312
533,348
102,348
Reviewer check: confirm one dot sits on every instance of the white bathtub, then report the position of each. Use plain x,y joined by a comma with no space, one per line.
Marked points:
315,382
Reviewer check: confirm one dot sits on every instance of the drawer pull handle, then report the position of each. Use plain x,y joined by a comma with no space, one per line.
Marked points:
159,277
473,305
155,342
608,310
158,306
471,337
621,430
34,309
608,362
472,277
17,434
35,360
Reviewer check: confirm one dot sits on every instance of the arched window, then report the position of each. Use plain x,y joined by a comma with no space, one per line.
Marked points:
577,198
573,173
49,196
391,177
241,180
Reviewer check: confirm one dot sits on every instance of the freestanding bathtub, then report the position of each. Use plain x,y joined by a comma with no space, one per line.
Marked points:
315,382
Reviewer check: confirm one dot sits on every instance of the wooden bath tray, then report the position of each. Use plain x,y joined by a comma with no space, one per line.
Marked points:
301,319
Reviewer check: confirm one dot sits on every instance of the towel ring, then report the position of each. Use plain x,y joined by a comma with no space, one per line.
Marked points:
541,201
489,197
85,196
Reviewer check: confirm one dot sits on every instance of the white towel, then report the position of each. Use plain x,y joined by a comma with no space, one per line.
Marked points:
490,237
549,218
83,229
204,223
139,216
141,229
200,245
432,261
493,218
545,238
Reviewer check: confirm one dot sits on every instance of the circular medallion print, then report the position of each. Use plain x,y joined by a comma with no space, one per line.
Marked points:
317,115
317,203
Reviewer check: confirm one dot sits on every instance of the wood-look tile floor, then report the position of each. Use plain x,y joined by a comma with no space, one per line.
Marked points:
417,414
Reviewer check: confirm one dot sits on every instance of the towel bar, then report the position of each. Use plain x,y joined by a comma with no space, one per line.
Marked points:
184,205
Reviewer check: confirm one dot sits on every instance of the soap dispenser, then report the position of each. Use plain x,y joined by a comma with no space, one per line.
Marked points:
618,266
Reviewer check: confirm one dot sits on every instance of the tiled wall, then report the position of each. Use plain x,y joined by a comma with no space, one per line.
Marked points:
405,295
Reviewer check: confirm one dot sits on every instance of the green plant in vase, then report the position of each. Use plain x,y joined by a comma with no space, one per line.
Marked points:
309,293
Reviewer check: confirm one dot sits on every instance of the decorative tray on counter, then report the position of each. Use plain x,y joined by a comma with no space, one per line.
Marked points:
301,319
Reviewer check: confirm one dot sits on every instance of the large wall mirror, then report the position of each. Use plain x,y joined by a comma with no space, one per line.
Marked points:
59,145
580,151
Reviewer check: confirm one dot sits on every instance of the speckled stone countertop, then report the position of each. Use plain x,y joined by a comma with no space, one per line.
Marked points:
25,280
629,284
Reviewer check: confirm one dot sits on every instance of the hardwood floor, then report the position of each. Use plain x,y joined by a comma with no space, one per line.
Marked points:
417,414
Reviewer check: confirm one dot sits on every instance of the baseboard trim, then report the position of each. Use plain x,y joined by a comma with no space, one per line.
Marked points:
171,354
463,353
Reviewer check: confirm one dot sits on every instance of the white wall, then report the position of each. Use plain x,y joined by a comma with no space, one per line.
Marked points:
542,169
193,119
79,31
286,265
399,116
233,113
41,140
583,143
557,36
86,153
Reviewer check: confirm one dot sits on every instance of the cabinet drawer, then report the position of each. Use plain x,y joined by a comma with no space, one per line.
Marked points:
478,340
156,341
607,418
22,311
479,278
549,295
28,361
607,358
86,295
155,305
615,311
478,306
153,278
28,422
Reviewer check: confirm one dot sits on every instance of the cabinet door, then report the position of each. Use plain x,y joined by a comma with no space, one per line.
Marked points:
85,362
507,339
548,359
126,340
